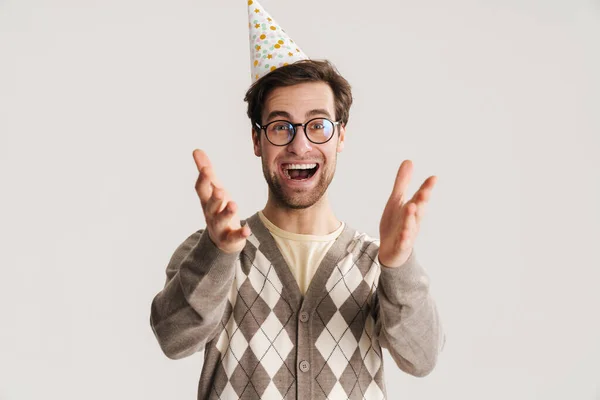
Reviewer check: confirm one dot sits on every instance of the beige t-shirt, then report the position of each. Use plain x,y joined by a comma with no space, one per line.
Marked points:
303,253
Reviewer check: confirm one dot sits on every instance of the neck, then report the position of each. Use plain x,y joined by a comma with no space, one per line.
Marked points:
317,219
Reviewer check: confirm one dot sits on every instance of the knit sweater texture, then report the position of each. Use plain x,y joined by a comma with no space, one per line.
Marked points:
263,340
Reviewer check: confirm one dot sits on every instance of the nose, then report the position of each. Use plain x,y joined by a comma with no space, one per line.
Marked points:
300,144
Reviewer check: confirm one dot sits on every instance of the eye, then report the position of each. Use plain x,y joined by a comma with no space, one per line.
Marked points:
317,125
281,127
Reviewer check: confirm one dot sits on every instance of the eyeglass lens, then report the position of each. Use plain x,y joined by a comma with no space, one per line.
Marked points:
282,132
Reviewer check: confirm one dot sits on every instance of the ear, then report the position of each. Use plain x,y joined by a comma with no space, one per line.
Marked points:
341,139
256,143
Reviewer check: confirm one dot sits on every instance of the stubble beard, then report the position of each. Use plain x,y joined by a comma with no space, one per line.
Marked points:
299,200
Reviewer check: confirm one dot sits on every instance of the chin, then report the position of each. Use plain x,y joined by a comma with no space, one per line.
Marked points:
296,200
298,196
295,203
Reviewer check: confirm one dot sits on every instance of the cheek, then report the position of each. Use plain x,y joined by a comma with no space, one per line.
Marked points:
269,158
331,154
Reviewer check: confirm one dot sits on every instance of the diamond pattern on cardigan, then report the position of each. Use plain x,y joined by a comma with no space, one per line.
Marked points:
345,339
373,391
260,334
257,340
254,343
349,380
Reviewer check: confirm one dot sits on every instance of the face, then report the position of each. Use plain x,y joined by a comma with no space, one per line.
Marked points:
299,173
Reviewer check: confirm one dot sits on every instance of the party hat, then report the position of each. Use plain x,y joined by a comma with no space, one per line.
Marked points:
270,46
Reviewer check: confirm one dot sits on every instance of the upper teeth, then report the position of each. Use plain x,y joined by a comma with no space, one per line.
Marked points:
300,166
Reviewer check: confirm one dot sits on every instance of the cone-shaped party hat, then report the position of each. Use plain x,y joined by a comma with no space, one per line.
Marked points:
270,46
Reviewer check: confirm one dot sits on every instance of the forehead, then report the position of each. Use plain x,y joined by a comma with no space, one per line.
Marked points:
299,100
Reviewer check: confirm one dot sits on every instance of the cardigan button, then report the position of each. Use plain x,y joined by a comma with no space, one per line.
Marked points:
304,366
304,316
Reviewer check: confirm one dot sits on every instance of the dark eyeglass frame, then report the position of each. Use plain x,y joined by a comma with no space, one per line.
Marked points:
294,130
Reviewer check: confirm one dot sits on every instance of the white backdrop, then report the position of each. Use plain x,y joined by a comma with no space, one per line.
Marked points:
102,103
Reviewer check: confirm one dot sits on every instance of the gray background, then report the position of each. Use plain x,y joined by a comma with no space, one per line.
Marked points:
102,103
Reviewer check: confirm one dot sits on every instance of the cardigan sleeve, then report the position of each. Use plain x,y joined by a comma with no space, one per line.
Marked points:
187,312
407,320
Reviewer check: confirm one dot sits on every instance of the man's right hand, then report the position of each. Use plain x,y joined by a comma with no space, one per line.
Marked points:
222,221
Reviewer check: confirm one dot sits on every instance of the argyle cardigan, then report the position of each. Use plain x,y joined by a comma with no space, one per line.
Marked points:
263,340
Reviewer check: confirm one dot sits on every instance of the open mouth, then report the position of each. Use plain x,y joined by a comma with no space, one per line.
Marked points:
299,172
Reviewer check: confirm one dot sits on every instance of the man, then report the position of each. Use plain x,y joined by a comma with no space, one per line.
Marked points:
292,303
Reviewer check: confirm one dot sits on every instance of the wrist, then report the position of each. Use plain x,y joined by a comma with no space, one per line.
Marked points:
395,263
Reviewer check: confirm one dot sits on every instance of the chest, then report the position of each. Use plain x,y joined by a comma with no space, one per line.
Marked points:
265,299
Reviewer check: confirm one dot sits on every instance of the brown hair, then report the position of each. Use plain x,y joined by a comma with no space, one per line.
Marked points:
300,72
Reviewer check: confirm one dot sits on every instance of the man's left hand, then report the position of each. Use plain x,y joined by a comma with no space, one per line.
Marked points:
401,219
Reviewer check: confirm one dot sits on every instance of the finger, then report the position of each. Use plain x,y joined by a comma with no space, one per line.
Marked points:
202,162
204,187
214,205
201,159
238,234
411,218
410,226
422,199
424,193
420,212
409,211
223,218
402,180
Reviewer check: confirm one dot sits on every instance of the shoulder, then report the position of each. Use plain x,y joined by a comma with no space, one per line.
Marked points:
362,255
362,242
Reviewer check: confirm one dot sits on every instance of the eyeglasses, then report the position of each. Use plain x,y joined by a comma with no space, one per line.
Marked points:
281,132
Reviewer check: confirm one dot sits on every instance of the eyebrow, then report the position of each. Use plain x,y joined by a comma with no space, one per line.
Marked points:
285,114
